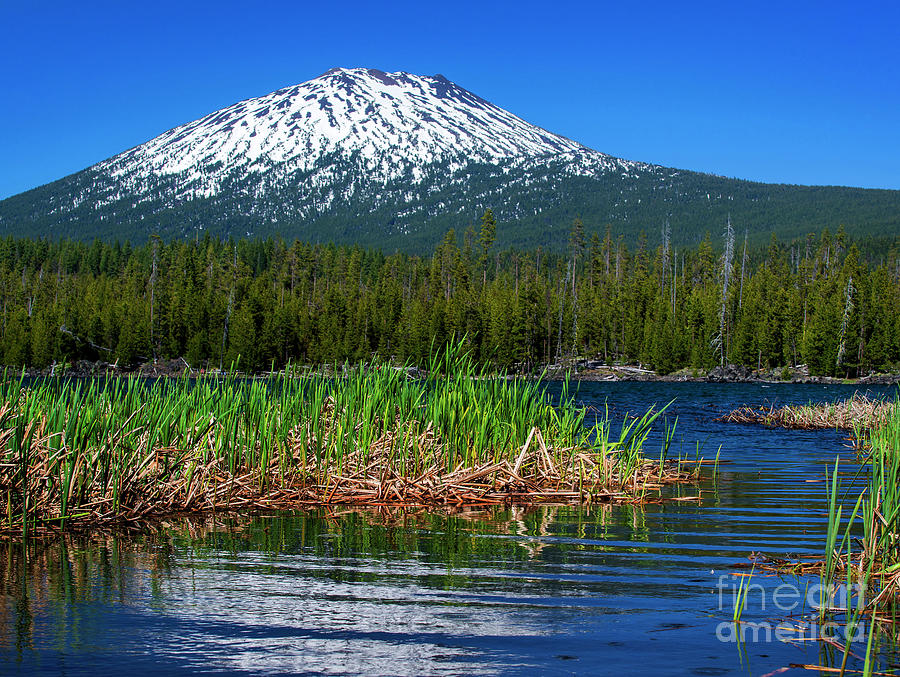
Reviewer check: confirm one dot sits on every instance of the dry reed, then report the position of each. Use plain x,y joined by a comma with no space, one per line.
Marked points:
857,411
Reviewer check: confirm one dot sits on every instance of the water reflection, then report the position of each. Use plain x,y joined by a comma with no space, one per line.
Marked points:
555,589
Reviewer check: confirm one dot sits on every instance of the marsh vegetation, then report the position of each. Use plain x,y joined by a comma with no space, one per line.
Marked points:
125,449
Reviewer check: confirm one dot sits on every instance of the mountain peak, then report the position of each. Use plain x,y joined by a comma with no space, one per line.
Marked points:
352,141
388,125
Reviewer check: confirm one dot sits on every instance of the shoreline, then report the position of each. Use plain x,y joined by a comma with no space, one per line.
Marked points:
729,374
583,370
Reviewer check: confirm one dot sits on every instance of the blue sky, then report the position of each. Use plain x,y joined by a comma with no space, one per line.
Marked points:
808,93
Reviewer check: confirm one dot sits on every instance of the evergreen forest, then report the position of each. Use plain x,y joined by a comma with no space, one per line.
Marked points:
824,301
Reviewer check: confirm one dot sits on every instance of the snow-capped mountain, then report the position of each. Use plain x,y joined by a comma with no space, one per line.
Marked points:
393,123
360,155
378,127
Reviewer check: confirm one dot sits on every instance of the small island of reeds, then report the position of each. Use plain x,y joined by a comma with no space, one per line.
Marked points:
855,413
125,450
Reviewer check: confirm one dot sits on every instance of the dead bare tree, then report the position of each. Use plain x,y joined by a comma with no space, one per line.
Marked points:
720,340
743,267
845,320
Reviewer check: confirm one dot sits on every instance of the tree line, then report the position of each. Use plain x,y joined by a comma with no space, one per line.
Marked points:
816,301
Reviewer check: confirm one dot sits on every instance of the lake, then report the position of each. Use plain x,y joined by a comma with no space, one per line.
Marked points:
550,590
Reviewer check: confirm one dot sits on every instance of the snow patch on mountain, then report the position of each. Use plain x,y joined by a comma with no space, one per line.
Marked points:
348,127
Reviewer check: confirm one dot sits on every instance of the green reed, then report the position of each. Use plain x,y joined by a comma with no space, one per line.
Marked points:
874,567
70,446
878,502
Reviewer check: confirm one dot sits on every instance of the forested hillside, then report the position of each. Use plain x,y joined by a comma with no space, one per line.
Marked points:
536,202
814,301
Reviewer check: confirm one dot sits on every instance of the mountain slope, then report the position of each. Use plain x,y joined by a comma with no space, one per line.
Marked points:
393,160
394,123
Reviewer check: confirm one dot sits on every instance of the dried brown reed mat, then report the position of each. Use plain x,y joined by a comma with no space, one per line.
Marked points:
824,669
857,412
370,478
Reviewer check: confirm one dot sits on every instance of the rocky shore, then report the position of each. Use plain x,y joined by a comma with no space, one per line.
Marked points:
588,370
581,370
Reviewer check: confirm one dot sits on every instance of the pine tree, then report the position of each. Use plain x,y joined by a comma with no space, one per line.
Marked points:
486,236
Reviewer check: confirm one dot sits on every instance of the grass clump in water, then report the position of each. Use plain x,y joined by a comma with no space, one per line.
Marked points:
858,411
123,449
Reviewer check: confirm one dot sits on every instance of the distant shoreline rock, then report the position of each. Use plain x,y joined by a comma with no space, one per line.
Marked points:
584,370
730,373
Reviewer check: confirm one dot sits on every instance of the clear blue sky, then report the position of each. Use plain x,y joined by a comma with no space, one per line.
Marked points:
797,92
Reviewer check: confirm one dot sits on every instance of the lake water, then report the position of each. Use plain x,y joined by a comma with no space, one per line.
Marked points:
551,590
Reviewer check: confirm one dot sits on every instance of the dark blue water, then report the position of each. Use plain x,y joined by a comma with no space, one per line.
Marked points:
552,590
